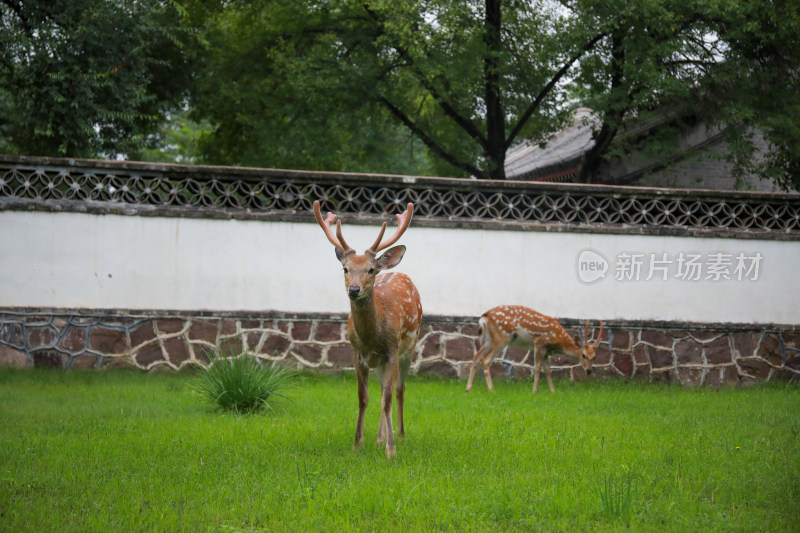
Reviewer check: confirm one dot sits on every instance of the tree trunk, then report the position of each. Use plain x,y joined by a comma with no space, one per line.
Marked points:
495,120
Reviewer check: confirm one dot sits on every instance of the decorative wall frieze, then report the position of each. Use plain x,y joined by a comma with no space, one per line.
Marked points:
176,190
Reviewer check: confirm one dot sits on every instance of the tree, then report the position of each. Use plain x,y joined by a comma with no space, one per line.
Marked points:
268,81
469,79
87,78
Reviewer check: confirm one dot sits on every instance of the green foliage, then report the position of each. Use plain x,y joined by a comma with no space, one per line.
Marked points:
83,78
241,384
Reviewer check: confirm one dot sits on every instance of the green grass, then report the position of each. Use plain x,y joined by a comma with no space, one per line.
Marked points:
125,451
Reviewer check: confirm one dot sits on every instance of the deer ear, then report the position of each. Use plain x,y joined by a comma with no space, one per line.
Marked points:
577,340
341,254
390,258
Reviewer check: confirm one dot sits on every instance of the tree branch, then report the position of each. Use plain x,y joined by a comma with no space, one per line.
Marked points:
429,142
449,110
547,88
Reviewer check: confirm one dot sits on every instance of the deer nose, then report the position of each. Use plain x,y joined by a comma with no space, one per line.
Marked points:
589,372
353,292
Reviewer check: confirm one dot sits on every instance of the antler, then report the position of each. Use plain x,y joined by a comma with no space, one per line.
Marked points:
599,335
586,331
403,220
338,241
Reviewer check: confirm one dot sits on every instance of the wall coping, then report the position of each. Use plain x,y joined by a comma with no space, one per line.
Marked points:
158,189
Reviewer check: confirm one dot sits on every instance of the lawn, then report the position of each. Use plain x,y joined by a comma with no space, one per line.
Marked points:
127,451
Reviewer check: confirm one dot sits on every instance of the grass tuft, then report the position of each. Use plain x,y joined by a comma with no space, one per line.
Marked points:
241,384
616,495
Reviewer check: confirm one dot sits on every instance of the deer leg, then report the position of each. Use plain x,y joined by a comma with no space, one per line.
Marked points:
477,357
390,380
491,353
401,398
379,373
547,374
362,374
538,355
405,364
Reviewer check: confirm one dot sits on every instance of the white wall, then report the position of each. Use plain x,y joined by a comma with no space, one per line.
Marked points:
72,260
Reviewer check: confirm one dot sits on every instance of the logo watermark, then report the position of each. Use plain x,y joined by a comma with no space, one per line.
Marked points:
593,266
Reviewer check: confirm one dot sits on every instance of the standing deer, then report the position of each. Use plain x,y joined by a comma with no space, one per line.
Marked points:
520,326
384,322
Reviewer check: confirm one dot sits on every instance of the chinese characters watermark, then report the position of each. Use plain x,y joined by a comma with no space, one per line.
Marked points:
593,266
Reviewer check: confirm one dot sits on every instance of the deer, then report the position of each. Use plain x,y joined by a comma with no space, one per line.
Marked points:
384,322
517,325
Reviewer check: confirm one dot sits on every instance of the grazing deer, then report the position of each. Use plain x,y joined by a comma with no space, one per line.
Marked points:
520,326
385,317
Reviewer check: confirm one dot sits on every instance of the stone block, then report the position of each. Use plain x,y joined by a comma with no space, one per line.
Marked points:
227,326
440,368
311,353
663,376
231,345
329,332
177,350
112,341
275,345
784,374
516,354
141,334
769,349
791,340
251,340
754,368
301,331
459,349
12,333
604,372
13,358
204,330
713,377
660,359
558,360
689,352
690,377
602,356
621,341
148,354
73,340
704,336
793,360
470,330
432,345
87,361
744,344
341,355
718,352
49,358
639,353
623,362
122,361
657,339
729,376
170,325
42,337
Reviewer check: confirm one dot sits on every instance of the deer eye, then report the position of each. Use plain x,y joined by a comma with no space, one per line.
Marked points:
371,270
346,270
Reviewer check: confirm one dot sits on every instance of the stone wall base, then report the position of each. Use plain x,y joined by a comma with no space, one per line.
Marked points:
691,355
